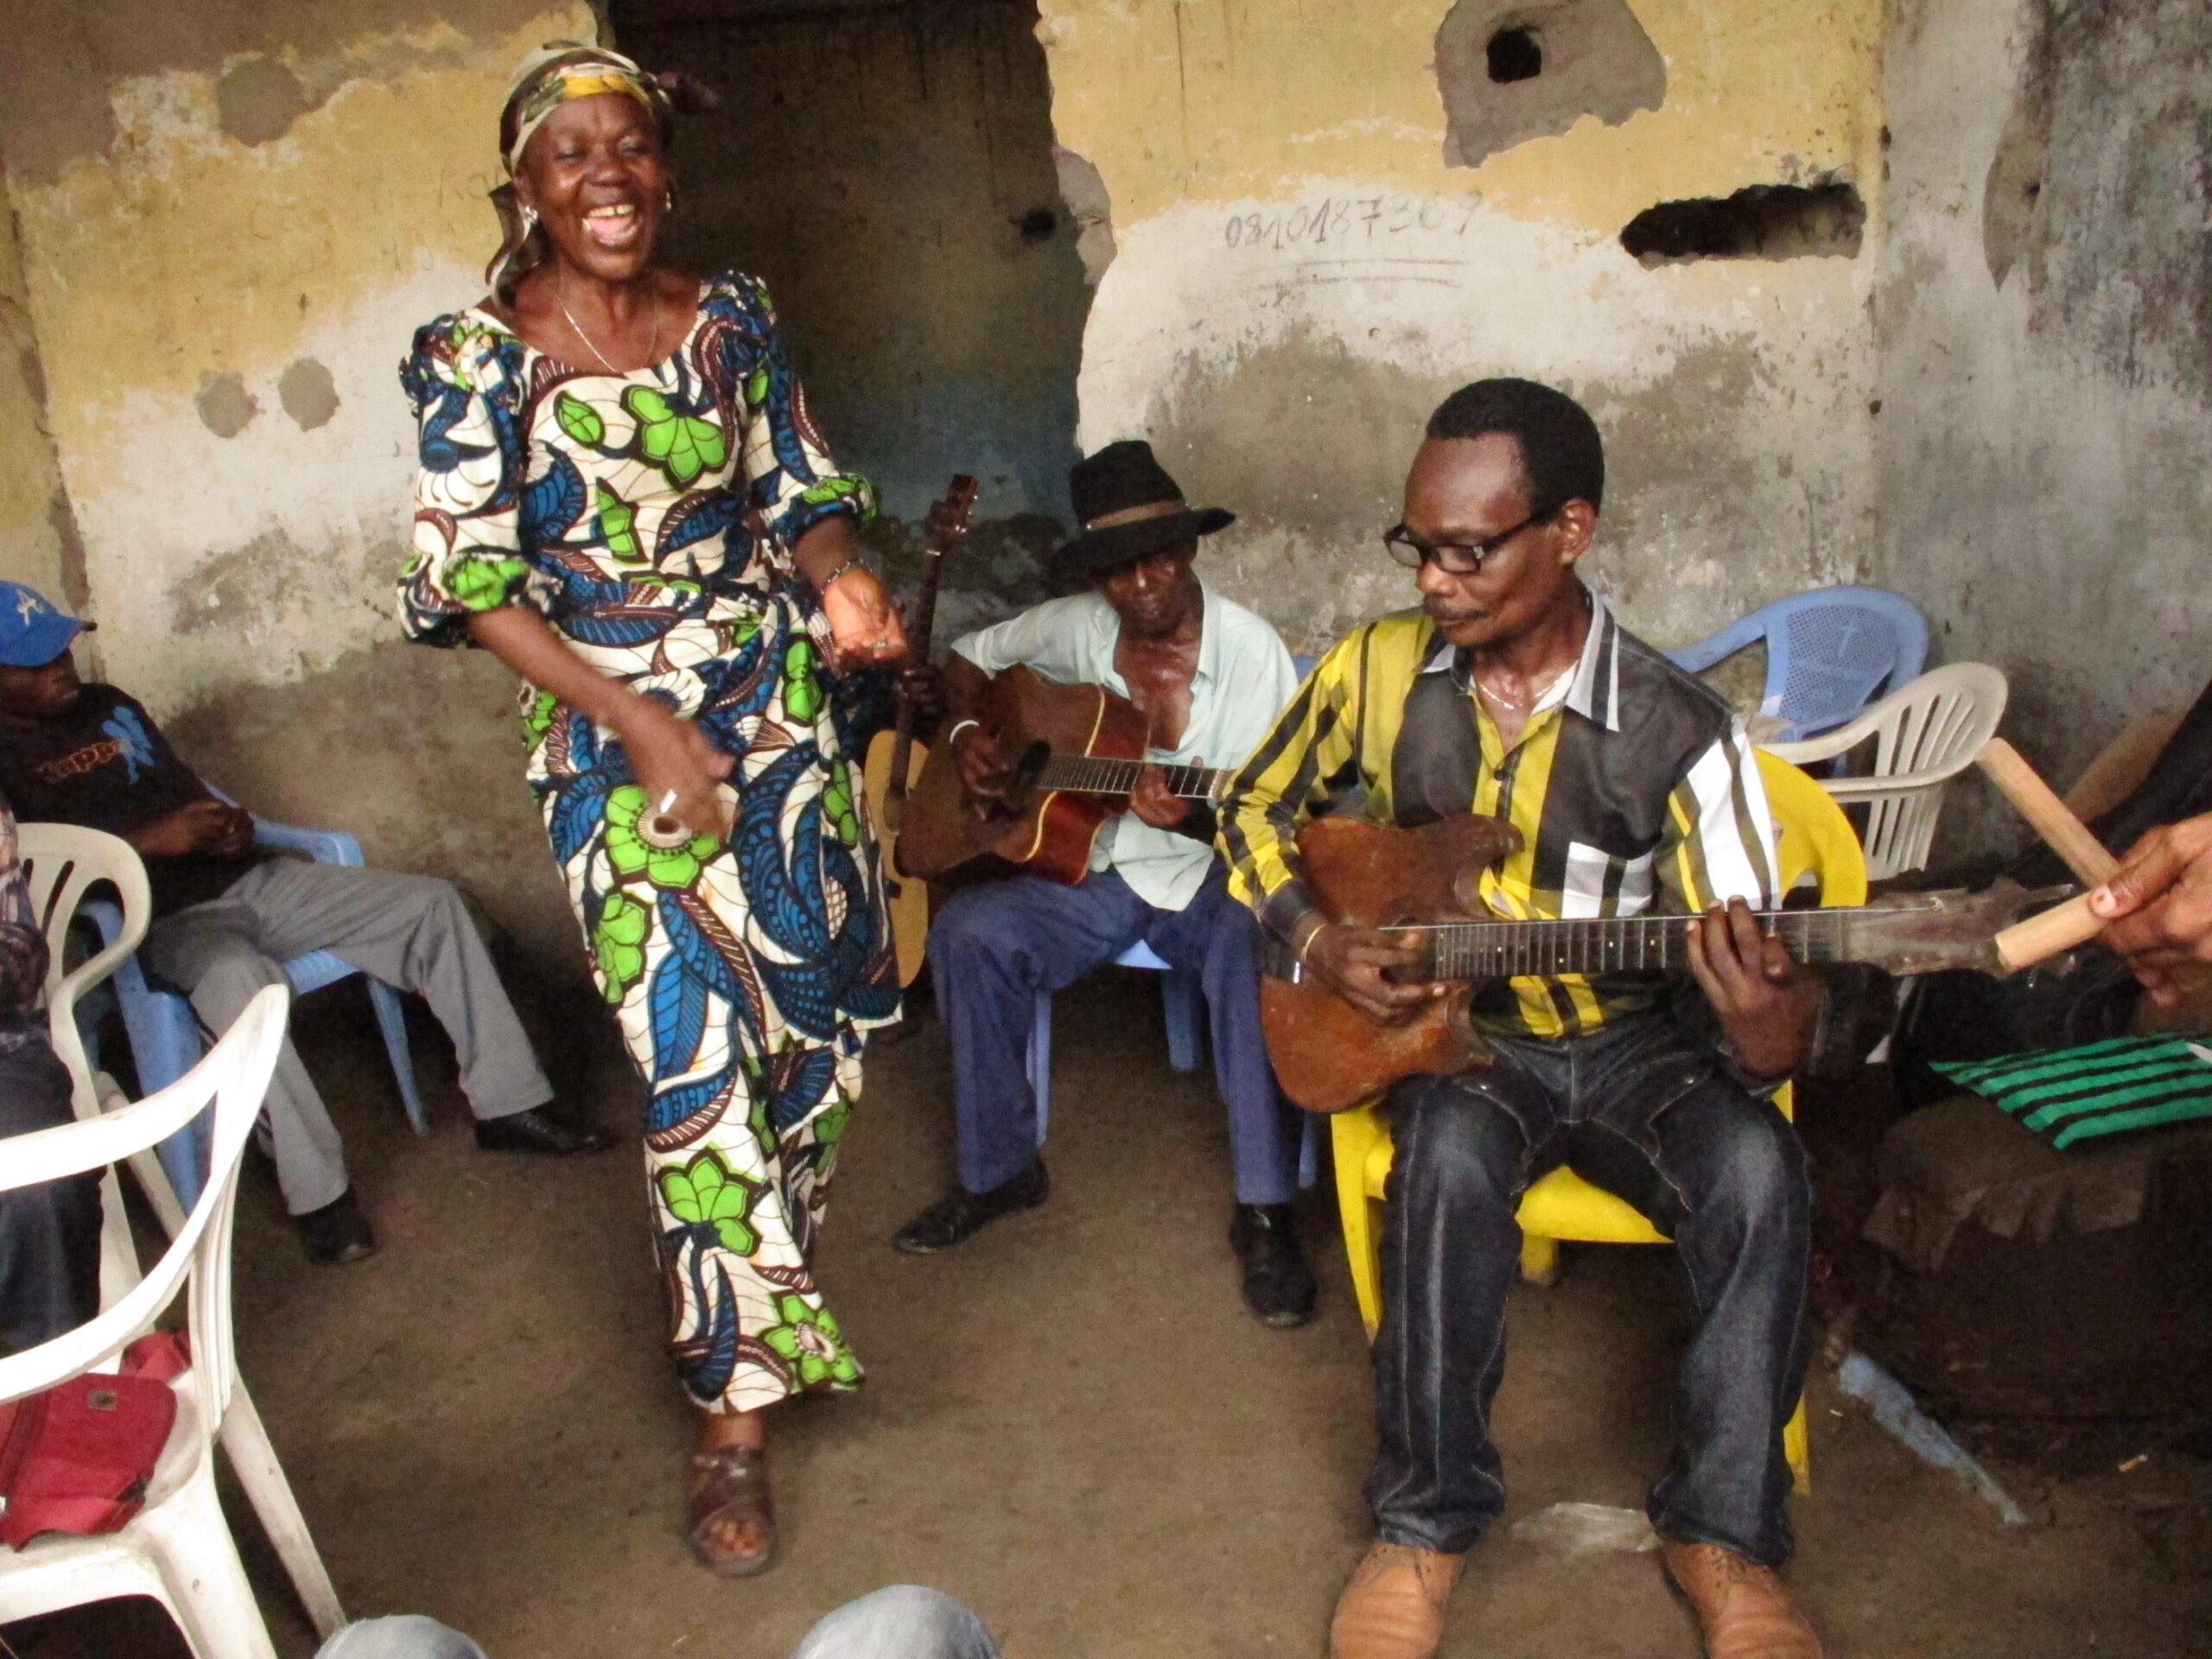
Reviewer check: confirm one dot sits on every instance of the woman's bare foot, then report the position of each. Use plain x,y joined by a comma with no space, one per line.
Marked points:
729,1517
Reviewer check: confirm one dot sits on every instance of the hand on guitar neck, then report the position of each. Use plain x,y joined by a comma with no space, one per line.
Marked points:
1765,1000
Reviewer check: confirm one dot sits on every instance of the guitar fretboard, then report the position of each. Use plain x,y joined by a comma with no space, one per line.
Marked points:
1088,774
1501,949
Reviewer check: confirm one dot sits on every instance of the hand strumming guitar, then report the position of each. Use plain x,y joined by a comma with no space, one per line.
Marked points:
1765,1000
1353,960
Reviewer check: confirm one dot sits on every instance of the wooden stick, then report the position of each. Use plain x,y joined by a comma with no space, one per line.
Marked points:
2060,928
2046,814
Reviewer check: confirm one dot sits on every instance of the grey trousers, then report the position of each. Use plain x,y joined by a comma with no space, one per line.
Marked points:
408,931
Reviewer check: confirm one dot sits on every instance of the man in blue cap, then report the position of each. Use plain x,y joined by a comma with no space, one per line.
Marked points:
227,915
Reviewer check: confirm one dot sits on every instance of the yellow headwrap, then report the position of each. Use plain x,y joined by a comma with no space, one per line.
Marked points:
560,70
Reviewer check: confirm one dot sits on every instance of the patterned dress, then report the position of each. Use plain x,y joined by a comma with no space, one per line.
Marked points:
649,517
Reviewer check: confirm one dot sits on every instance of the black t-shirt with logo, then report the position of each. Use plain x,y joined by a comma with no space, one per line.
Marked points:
105,764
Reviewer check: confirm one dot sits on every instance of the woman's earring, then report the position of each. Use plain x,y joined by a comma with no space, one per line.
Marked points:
529,218
668,200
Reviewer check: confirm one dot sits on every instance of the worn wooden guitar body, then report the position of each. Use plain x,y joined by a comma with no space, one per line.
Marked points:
1047,832
1327,1054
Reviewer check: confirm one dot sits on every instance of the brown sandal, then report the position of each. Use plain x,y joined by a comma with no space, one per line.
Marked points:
735,1489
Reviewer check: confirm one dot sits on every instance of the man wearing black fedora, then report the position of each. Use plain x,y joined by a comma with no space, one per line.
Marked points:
1211,677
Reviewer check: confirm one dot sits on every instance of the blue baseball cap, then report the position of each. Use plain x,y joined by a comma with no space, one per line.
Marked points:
32,633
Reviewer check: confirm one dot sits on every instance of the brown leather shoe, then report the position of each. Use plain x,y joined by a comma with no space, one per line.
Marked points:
1393,1606
1743,1611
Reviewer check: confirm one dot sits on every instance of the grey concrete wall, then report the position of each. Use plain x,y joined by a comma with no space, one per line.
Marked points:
2044,334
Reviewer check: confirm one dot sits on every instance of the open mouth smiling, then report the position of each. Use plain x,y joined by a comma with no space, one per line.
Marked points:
616,225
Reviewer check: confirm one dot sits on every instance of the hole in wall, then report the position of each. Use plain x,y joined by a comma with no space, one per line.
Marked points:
1514,70
1764,221
1515,55
1037,225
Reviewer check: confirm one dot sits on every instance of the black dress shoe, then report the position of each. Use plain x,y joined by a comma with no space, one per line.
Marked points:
1278,1285
538,1130
962,1214
337,1233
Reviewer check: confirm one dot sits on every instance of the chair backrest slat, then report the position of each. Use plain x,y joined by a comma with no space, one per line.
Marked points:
235,1075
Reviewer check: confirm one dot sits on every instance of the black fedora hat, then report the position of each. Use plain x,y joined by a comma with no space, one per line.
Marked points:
1129,508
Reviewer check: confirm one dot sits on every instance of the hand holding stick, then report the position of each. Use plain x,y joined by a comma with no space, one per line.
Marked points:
2073,923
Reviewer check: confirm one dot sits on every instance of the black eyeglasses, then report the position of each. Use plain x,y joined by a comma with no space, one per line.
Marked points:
1453,558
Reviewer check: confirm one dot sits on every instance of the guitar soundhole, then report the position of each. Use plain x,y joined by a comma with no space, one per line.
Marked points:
1022,782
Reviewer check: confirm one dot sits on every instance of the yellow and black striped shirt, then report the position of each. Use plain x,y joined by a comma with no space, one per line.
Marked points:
1632,785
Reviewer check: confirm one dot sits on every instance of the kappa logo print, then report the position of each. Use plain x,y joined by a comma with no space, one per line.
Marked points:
133,743
28,607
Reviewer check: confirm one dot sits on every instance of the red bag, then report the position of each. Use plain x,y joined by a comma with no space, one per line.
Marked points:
76,1458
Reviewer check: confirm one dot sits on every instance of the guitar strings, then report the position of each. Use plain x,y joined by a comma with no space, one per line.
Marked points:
1608,943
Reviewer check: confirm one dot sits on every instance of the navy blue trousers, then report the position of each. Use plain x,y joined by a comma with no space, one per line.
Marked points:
50,1233
994,947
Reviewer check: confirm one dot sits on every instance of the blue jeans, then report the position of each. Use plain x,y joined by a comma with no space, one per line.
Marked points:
902,1622
1646,1112
994,946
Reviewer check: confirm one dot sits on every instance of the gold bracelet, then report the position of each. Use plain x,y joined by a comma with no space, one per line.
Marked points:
1298,952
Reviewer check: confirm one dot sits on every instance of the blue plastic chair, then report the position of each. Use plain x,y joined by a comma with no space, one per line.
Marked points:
1830,653
1179,998
165,1036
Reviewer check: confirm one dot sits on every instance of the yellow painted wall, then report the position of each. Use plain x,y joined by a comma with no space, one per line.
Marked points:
1286,374
232,217
31,546
1177,101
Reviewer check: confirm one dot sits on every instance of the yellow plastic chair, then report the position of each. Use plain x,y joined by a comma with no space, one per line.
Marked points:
1812,838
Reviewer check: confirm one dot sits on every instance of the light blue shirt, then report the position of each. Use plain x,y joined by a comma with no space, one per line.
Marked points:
1244,679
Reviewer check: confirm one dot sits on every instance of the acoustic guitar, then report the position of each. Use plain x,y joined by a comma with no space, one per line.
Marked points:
1329,1056
895,759
1078,753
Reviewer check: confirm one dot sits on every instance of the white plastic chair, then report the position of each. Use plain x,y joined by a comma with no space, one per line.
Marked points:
62,862
178,1548
1925,734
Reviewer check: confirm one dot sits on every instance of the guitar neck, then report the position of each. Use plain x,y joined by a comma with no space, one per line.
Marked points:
1090,774
1473,951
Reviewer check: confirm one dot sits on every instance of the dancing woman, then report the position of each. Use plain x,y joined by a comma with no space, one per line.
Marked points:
622,497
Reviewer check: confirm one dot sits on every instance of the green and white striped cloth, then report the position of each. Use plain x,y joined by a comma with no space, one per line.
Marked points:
2073,1094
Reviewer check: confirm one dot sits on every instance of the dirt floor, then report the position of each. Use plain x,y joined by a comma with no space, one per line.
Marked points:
1070,1421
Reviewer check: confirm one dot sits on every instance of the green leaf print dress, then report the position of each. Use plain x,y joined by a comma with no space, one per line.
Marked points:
649,517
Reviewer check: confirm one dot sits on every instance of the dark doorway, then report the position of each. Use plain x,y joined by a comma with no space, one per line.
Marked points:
886,166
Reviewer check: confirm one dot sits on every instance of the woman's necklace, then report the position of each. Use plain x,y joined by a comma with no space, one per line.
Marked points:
653,352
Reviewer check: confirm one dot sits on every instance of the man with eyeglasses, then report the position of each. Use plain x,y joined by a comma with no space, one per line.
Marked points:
1514,691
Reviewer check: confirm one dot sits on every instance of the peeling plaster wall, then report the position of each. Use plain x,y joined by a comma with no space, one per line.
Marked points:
1301,274
231,217
38,541
2045,320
